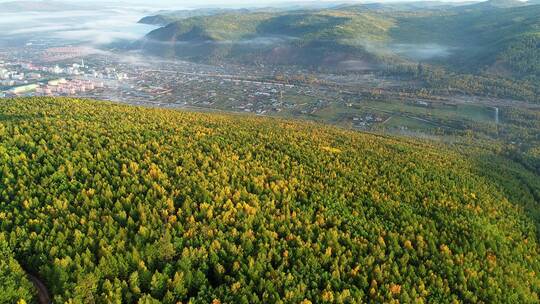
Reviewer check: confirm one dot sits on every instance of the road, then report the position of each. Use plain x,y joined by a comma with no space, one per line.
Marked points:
43,293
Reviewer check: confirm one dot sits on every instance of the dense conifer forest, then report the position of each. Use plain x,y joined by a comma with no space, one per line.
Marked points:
119,204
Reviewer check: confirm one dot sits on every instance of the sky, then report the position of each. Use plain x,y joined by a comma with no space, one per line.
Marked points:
243,3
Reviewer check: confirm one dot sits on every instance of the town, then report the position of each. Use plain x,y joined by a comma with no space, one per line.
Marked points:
363,101
74,72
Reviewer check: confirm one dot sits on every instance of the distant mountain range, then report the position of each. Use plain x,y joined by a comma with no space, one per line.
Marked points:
166,17
405,6
497,4
498,36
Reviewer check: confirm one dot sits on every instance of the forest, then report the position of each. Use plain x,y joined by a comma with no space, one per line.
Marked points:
487,49
110,203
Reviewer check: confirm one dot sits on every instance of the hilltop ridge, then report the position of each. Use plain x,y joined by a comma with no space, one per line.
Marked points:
118,203
501,41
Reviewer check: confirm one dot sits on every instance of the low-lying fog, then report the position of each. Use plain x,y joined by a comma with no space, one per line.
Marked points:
91,26
422,51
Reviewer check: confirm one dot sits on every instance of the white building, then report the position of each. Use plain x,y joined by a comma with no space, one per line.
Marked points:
19,76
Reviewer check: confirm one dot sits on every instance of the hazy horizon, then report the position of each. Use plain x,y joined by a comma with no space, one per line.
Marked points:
76,21
165,4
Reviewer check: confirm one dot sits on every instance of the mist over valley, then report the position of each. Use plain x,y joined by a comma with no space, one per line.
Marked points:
269,152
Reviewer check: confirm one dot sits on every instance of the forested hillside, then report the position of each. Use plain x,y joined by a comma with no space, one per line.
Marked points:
473,47
112,203
501,41
165,18
496,36
297,37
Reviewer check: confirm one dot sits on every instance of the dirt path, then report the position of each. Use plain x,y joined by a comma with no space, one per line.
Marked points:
43,293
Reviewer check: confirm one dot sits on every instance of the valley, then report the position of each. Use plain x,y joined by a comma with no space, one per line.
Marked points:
387,102
298,152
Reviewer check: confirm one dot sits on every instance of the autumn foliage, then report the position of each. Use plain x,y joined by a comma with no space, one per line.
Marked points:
111,203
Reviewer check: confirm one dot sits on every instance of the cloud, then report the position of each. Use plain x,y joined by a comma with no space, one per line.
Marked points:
267,40
40,29
423,51
23,18
95,27
95,36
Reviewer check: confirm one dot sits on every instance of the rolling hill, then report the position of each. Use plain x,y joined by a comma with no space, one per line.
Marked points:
494,4
497,38
114,203
409,6
503,41
302,37
165,18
